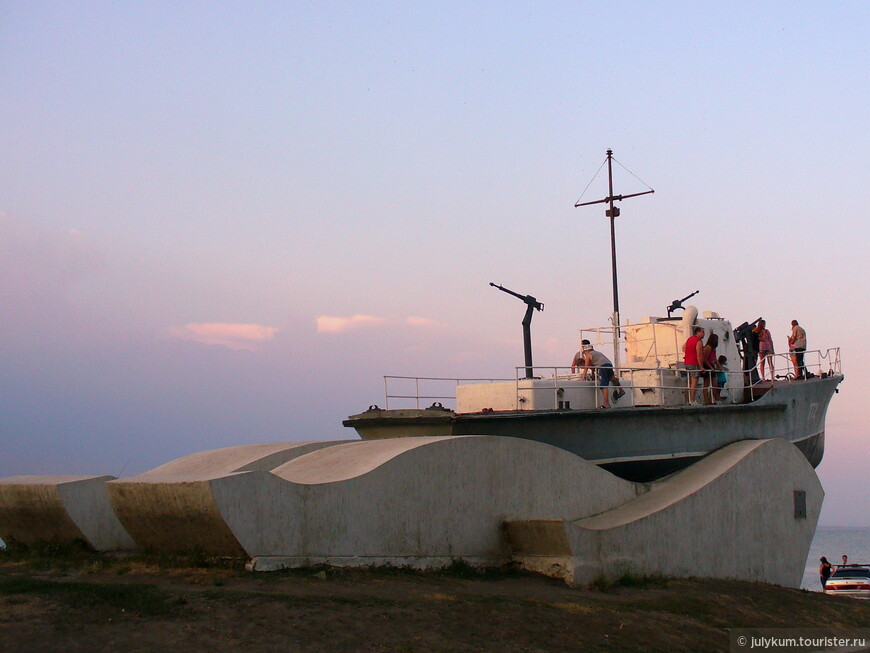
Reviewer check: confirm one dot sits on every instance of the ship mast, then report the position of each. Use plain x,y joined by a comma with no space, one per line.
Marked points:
613,213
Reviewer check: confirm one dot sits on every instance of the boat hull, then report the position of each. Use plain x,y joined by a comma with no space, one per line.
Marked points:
640,444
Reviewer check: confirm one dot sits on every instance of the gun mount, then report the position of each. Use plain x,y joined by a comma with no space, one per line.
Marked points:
532,305
678,303
748,349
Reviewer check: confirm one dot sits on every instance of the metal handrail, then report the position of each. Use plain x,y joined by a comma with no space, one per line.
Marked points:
832,355
559,373
418,379
814,361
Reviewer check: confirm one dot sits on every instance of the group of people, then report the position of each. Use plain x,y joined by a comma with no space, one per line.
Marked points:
762,342
702,361
826,569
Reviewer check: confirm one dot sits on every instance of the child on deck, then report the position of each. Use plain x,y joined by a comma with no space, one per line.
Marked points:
721,378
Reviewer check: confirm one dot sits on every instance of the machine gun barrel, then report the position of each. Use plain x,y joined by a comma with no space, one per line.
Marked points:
678,303
531,305
528,299
741,333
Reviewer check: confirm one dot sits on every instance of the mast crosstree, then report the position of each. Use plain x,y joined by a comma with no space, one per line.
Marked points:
613,213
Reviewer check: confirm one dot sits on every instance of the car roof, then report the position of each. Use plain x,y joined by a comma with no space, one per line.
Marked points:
852,570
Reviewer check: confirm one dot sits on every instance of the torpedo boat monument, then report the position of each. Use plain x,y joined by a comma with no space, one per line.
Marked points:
526,470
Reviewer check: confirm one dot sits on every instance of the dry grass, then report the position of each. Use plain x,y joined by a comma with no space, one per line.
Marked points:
138,603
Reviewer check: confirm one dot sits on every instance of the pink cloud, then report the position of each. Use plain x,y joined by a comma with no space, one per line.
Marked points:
234,336
340,324
422,322
335,324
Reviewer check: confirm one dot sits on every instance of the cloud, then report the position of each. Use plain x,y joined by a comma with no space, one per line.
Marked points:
338,324
423,322
334,324
234,336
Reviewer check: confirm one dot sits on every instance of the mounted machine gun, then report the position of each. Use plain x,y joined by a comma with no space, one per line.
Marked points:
532,305
678,303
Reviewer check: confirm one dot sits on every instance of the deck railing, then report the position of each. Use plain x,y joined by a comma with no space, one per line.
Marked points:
434,388
778,367
424,391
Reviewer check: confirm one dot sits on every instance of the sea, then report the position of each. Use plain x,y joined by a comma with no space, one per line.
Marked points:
833,542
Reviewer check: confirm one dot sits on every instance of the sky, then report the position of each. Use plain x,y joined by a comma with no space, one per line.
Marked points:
223,223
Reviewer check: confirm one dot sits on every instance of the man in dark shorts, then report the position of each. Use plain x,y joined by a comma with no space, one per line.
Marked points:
590,360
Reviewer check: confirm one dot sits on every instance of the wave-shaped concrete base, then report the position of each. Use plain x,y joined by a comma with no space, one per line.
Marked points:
57,509
747,511
421,502
172,508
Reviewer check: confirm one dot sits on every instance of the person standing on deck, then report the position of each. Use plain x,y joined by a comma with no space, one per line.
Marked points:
694,355
710,367
765,349
751,357
589,360
721,378
798,341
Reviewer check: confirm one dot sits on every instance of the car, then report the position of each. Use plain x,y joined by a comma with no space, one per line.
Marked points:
850,580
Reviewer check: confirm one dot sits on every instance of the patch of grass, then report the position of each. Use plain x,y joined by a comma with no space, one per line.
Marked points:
293,600
60,556
145,600
459,568
642,581
702,609
69,550
15,600
484,599
629,579
122,569
12,549
601,584
188,560
78,555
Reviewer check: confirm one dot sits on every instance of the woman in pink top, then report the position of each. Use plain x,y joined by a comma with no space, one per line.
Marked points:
765,349
711,365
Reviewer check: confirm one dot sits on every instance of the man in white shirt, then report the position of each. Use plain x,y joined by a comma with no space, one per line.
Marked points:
798,342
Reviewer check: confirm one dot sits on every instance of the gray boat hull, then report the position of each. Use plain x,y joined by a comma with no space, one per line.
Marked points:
640,444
